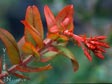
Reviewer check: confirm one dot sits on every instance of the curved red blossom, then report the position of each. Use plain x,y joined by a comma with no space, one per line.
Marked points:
95,44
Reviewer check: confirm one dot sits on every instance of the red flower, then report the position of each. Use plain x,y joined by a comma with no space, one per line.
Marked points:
96,45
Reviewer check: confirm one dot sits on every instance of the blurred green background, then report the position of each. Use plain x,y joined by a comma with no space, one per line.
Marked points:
92,17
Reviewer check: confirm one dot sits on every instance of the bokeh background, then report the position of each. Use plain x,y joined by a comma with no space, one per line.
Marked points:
92,17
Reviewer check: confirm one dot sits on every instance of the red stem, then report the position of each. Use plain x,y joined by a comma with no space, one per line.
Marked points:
74,36
25,61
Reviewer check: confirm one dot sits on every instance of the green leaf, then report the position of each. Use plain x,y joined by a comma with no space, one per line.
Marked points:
11,46
30,69
66,52
48,56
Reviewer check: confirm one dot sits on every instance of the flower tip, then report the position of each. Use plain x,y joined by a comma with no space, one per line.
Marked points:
100,37
71,6
99,55
107,46
28,7
33,6
46,6
87,55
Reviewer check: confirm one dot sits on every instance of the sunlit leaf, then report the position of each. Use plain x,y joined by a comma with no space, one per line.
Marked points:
34,33
30,69
48,56
34,19
20,76
28,48
51,21
11,46
69,54
0,65
65,17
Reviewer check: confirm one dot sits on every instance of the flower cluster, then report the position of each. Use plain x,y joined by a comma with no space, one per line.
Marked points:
96,45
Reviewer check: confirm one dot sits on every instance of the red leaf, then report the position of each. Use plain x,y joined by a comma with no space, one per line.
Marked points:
30,69
54,29
65,14
11,46
20,76
34,33
34,19
51,22
65,17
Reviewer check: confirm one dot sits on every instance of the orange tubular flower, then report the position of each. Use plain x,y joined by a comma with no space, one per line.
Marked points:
96,45
62,24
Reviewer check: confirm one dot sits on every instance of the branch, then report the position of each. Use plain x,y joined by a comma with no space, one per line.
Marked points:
25,61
